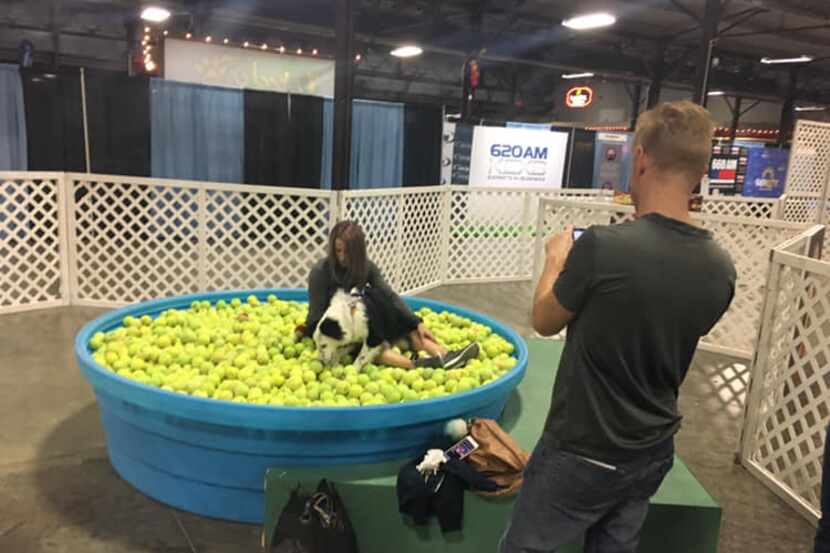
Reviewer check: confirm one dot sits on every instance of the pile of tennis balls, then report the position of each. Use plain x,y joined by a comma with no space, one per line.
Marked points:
246,352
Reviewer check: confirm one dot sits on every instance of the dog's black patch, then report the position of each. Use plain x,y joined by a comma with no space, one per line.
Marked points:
331,328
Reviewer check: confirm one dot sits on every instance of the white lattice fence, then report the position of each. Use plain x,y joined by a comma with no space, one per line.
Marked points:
405,233
808,172
489,234
423,240
763,208
33,256
135,239
748,241
789,406
255,237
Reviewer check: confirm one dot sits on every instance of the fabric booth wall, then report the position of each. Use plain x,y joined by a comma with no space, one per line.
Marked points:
13,156
377,144
197,132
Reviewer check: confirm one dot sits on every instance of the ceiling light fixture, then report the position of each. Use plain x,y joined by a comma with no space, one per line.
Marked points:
577,75
150,66
299,50
226,41
155,14
408,51
282,49
208,38
810,108
590,21
188,36
716,93
799,59
314,52
246,44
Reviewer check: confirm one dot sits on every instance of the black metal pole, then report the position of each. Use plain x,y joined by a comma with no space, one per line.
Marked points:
343,92
711,18
635,105
736,118
785,126
657,76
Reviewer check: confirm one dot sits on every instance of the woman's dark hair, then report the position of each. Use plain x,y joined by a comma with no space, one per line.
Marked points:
357,264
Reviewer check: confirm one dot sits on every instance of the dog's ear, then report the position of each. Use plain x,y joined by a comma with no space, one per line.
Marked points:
331,328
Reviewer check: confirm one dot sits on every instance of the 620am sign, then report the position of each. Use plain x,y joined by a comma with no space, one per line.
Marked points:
579,97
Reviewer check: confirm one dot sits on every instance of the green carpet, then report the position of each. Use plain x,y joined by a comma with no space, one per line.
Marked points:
682,513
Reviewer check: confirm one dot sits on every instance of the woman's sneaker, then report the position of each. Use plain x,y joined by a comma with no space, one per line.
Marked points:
458,358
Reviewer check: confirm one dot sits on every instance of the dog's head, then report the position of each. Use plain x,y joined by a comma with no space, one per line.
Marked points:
329,339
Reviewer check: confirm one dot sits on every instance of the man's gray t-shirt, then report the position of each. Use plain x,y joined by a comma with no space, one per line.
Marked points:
643,294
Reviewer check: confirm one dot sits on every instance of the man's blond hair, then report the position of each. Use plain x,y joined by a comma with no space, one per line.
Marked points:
677,136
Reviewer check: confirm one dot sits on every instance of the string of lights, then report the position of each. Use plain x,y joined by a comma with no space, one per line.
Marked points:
150,41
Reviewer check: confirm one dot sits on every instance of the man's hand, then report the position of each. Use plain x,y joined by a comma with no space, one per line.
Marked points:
548,315
557,249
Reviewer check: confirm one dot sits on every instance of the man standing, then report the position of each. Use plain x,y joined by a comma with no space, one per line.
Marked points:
636,298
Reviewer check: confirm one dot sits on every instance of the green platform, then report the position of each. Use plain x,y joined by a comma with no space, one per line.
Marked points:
683,517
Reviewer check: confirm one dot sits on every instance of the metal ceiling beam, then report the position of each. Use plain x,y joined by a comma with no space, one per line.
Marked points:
684,9
792,7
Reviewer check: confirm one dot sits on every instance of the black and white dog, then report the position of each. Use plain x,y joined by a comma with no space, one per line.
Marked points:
345,326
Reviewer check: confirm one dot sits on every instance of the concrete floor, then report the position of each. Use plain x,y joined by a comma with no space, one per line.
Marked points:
60,494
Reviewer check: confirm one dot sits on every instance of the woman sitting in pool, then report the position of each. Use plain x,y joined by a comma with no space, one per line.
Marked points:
347,266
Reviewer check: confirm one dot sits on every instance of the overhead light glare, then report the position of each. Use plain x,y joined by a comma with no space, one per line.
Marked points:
577,75
408,51
799,59
590,21
155,14
810,108
716,93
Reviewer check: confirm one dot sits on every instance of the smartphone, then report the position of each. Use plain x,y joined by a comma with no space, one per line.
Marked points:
462,448
577,233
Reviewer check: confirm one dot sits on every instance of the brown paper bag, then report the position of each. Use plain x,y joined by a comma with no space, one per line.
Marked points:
498,456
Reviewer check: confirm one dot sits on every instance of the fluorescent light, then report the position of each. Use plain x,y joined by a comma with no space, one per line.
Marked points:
590,21
716,93
407,51
800,59
155,14
810,108
49,76
577,75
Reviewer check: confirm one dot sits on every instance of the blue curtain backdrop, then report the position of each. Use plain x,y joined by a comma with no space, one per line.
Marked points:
377,144
328,143
13,154
198,132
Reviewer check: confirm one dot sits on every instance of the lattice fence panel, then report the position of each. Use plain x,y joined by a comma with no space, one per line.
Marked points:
489,235
739,207
807,173
379,215
133,241
748,243
790,405
262,239
420,262
32,253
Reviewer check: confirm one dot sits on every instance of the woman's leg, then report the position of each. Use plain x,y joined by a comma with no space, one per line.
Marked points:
392,358
429,346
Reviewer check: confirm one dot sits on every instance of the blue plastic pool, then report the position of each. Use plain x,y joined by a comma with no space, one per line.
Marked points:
209,456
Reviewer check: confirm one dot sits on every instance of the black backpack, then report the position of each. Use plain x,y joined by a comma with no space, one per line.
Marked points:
315,523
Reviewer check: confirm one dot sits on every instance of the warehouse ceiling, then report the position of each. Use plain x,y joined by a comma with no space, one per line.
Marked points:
524,48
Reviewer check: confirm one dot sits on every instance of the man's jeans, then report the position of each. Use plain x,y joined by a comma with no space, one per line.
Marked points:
565,496
823,531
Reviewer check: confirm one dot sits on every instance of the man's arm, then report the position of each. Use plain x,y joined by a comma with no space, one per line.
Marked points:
549,316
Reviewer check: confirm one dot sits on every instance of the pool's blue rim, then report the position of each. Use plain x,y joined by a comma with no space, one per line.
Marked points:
226,412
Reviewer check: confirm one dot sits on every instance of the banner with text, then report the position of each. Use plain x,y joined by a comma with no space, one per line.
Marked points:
215,65
517,157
